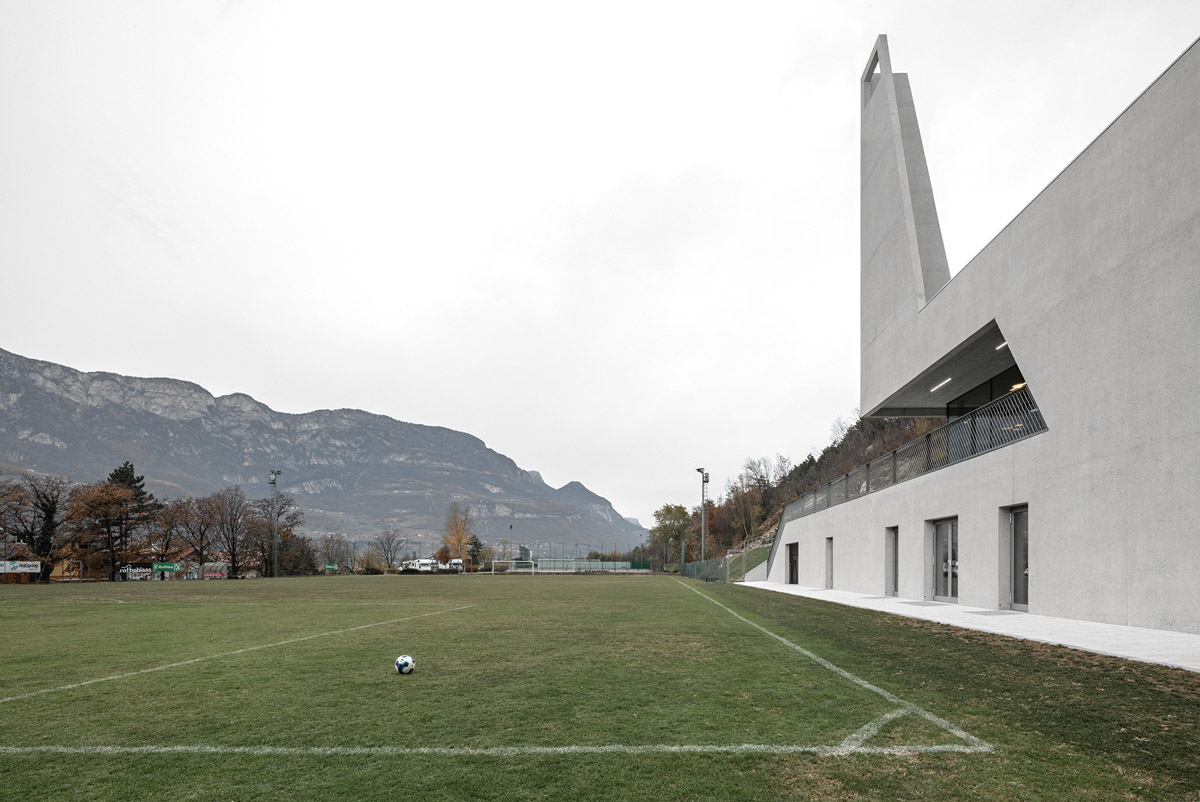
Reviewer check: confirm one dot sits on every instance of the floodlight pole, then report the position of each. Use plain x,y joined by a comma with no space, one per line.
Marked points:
275,521
703,503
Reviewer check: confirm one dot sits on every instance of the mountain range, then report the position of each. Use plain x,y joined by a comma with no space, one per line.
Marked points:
351,471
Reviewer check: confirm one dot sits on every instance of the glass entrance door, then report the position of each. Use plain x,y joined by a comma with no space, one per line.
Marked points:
793,563
945,557
1020,559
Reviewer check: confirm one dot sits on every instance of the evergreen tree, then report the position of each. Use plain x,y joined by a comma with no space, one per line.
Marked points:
125,476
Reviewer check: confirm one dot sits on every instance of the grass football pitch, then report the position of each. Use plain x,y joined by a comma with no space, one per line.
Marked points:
574,688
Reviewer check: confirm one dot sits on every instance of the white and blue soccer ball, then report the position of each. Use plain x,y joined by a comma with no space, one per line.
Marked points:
405,664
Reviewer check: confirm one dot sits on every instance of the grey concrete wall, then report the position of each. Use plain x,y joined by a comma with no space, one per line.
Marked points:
758,573
1128,203
1088,559
858,529
1096,285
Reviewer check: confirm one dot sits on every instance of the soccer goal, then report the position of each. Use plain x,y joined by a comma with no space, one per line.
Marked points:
514,567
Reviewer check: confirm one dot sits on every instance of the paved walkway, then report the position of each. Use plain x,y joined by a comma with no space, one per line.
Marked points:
1179,649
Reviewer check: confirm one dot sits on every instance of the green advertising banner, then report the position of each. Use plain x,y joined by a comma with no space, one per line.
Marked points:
330,566
167,566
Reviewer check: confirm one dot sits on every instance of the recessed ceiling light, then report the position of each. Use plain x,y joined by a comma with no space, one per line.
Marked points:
1001,345
940,384
1017,386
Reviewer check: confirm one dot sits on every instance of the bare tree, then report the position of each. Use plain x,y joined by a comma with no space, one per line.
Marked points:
232,529
198,524
389,544
165,532
484,554
279,513
34,512
744,497
336,550
783,466
8,535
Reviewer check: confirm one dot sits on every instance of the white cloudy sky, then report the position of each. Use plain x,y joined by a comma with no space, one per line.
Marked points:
615,240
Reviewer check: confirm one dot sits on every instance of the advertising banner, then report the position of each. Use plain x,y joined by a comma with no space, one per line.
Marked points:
134,571
20,566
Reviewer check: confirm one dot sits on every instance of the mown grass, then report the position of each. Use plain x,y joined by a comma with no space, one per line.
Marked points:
550,662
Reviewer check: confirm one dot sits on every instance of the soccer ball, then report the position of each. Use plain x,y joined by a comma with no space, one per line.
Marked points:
405,664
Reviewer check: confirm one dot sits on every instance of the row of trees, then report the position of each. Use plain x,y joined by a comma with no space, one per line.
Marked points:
754,499
387,550
107,523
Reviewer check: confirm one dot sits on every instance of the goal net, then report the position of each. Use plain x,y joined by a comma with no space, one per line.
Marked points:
513,567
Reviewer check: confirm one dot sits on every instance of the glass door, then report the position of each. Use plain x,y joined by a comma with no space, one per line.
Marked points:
1020,559
945,557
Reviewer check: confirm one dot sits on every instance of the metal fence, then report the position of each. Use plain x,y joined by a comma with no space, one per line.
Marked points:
575,565
1008,419
733,567
707,570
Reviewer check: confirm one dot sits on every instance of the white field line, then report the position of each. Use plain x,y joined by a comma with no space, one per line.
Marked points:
225,654
497,751
209,602
77,601
975,744
869,730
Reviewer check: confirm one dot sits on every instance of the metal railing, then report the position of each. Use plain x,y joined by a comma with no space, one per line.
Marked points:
1008,419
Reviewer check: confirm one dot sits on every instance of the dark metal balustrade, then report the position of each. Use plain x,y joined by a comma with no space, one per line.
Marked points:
1006,420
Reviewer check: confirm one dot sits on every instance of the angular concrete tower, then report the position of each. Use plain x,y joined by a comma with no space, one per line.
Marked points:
903,258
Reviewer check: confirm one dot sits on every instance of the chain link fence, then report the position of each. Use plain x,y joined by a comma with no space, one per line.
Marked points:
733,567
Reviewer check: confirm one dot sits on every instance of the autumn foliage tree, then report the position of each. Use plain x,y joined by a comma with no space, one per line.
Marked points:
671,527
108,516
102,520
116,520
457,539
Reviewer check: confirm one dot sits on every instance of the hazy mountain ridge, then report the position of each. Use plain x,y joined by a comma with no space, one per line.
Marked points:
351,470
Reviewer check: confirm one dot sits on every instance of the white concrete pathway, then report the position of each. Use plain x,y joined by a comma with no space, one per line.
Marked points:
1179,649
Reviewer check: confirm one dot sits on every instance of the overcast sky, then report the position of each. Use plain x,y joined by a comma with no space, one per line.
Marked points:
615,240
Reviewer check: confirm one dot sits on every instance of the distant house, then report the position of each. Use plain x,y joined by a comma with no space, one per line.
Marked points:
1064,357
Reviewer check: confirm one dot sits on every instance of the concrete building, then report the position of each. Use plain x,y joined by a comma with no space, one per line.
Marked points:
1064,357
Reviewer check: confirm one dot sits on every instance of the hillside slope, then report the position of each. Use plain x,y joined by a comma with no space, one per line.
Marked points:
351,471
